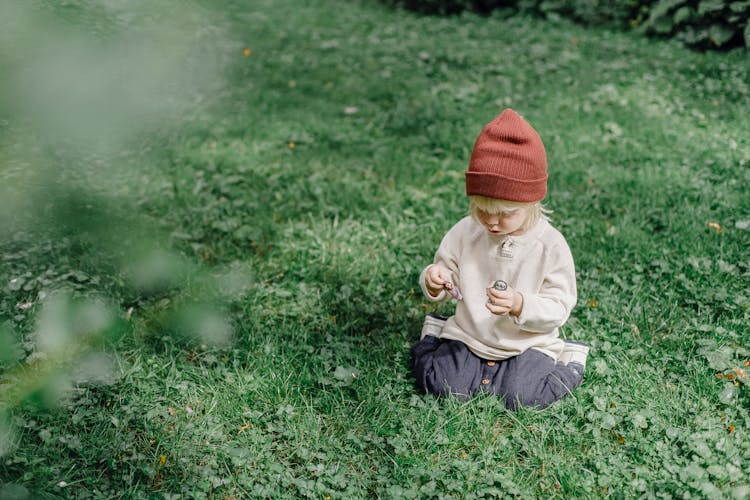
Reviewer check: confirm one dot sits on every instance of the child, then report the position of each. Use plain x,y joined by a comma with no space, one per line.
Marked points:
513,276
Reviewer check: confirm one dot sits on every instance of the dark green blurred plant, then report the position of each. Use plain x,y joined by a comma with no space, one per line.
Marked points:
619,13
704,24
88,90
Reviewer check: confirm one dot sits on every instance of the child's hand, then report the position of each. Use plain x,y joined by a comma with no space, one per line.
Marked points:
437,278
503,302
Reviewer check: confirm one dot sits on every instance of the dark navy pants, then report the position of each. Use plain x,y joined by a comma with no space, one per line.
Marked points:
444,366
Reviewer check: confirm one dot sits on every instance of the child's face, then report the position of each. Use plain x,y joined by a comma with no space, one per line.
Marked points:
507,222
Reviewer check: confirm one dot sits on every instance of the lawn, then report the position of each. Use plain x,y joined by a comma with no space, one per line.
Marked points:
210,252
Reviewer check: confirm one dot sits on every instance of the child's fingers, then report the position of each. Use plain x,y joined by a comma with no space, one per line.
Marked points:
434,280
437,276
500,301
500,310
506,302
501,294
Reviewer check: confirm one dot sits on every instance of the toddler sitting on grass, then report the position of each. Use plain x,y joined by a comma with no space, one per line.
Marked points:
513,276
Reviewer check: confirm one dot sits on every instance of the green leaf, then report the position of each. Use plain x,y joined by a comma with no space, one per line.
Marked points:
693,36
246,232
345,375
662,25
719,358
600,403
747,34
608,421
720,34
179,235
739,7
718,471
729,394
693,472
663,6
226,225
15,284
639,421
682,14
600,367
707,6
659,20
710,490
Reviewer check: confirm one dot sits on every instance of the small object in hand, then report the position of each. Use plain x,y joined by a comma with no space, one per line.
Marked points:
453,290
500,285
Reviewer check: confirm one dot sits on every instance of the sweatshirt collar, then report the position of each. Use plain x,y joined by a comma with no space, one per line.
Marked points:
530,235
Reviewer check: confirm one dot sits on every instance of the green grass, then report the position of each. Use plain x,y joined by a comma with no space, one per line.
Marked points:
304,226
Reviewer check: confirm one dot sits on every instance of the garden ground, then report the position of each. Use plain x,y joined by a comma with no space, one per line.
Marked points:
241,283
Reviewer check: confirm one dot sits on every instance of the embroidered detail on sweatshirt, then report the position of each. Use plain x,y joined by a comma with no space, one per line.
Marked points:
506,249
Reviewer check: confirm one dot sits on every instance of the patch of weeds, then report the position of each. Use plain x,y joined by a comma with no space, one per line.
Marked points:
264,257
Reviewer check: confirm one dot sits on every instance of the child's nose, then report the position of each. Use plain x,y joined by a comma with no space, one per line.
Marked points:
493,220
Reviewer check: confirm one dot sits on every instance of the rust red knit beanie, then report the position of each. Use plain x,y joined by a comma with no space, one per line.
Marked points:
508,161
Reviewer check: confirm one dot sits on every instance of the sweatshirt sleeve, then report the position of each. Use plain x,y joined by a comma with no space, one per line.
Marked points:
551,306
447,257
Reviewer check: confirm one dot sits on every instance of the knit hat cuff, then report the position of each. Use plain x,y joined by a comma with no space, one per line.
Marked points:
500,187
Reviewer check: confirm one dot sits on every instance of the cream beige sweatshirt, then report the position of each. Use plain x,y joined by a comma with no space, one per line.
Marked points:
538,264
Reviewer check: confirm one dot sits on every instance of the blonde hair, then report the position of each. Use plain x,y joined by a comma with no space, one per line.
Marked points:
534,211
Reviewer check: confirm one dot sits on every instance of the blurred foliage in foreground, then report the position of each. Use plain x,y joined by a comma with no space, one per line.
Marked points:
703,24
89,91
